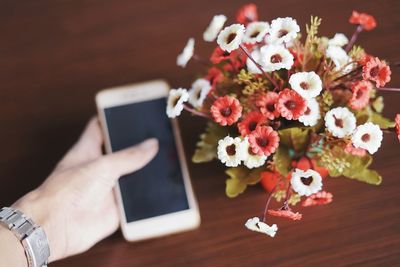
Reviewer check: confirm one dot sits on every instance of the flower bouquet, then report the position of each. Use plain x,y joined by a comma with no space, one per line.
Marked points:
286,110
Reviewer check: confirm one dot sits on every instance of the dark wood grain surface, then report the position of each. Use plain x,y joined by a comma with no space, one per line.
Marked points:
55,55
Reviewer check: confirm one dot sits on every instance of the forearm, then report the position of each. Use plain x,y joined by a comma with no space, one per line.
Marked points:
11,250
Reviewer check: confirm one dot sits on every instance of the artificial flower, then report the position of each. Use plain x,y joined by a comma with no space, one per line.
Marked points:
305,163
290,104
397,126
226,110
246,14
230,37
320,198
338,40
340,122
214,76
307,84
230,151
306,183
377,71
266,104
250,122
339,57
269,180
175,102
250,159
283,30
361,92
275,57
198,92
251,67
254,224
312,114
215,26
367,21
220,55
264,140
367,136
255,32
350,149
286,213
186,54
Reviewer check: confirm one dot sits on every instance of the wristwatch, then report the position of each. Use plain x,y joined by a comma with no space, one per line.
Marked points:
32,237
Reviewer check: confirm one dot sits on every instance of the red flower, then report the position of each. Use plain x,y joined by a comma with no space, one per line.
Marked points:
246,14
226,110
367,21
266,104
264,140
365,58
305,163
397,121
286,214
360,97
377,71
290,104
250,122
350,149
269,180
215,76
297,57
320,198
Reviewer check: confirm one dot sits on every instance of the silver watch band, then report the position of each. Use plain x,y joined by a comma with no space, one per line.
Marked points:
32,237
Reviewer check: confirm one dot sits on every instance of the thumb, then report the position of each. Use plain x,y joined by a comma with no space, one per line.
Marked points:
113,166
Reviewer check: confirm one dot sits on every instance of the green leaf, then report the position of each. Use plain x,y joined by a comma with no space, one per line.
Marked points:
207,146
383,122
367,176
282,160
240,178
296,138
378,104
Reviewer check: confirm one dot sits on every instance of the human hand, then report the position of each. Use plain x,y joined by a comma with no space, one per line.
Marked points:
75,205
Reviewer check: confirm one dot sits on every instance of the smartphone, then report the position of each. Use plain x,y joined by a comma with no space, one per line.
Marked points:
158,199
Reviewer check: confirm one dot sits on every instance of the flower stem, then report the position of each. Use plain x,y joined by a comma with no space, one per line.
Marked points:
354,38
389,89
195,112
259,67
268,201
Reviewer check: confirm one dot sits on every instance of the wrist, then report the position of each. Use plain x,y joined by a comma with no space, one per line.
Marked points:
37,209
11,250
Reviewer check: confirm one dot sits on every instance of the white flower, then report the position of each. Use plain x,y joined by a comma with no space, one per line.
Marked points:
338,40
340,122
312,114
231,37
198,92
307,84
367,136
186,54
255,32
251,67
230,151
339,57
214,28
283,30
175,101
275,57
250,159
306,183
255,225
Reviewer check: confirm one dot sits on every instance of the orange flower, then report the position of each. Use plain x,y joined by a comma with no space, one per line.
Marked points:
305,163
266,104
250,122
215,76
264,140
367,21
360,97
377,71
290,104
226,110
269,180
246,14
320,198
397,121
286,214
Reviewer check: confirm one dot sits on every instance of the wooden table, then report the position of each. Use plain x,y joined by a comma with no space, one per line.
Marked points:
54,56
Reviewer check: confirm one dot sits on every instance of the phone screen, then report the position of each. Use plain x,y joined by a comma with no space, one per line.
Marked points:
158,188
